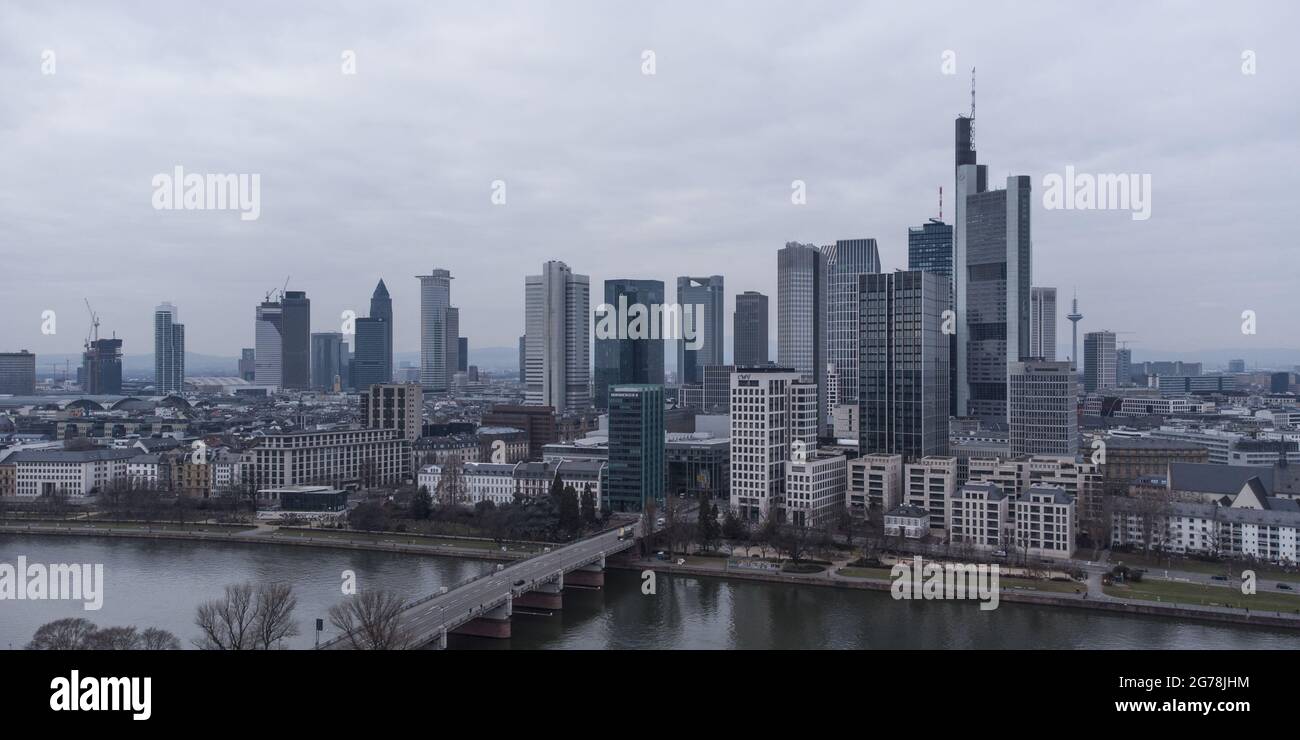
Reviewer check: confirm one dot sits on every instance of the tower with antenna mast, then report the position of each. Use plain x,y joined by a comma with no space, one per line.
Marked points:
1075,317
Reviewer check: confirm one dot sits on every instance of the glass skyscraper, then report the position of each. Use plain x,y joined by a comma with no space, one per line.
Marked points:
750,330
168,350
372,349
903,365
636,447
628,360
801,298
846,260
705,297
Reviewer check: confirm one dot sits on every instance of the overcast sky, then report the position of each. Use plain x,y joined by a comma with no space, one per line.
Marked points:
388,172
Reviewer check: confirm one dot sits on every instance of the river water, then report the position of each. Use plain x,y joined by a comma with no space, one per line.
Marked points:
160,584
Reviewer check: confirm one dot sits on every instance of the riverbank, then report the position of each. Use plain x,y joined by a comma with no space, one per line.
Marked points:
338,539
1083,600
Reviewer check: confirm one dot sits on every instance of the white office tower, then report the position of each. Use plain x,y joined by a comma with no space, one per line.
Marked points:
771,409
268,360
801,314
1043,420
1042,324
557,306
1098,361
846,261
168,350
438,331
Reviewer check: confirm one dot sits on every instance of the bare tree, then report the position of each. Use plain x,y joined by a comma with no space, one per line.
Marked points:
158,639
451,484
247,618
371,620
73,633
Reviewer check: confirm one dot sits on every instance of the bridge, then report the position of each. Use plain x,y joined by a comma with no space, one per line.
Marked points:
483,606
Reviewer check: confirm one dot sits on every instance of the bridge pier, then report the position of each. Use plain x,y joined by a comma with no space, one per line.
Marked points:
589,576
495,623
549,595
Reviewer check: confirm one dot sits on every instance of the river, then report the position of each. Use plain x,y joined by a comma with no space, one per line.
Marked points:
160,583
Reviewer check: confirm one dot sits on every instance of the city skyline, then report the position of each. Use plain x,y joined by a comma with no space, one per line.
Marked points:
698,208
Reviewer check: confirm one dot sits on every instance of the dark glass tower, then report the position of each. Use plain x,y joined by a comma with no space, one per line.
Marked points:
636,447
295,345
903,364
750,330
628,360
373,350
702,294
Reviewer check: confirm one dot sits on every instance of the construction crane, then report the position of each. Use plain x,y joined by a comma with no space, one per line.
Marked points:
94,324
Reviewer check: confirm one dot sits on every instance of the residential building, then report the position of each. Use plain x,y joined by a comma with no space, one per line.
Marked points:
875,482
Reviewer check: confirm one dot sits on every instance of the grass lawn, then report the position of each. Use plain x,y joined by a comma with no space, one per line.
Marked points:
1191,565
1194,593
1035,584
401,538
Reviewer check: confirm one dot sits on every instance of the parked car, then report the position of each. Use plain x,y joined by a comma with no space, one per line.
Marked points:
1218,578
520,582
1284,586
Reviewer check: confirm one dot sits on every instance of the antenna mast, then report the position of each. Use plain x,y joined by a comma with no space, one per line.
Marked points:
940,202
972,107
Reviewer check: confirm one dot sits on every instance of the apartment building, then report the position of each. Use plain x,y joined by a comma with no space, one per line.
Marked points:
875,482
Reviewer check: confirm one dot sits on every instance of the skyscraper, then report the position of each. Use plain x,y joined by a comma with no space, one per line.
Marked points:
247,364
929,248
993,252
168,350
437,364
462,354
1123,367
704,296
1042,324
453,343
557,306
904,364
372,344
1098,361
269,342
636,447
328,359
846,260
772,408
296,340
18,373
750,330
101,367
1043,419
628,360
801,314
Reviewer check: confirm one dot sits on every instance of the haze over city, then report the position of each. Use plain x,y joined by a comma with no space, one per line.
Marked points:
388,173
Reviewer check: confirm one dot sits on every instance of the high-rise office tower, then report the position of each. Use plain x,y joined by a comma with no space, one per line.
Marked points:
1098,361
453,343
846,261
628,360
437,363
750,330
772,408
801,300
1042,324
372,350
1123,367
1236,366
101,367
636,447
168,350
18,373
930,249
704,296
557,305
903,365
296,332
462,354
1277,382
247,364
269,344
328,359
1043,418
523,359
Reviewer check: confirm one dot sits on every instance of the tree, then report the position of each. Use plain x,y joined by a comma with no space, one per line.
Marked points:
372,620
734,528
368,516
792,540
421,504
568,516
247,618
158,639
452,489
114,638
708,530
72,633
588,506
